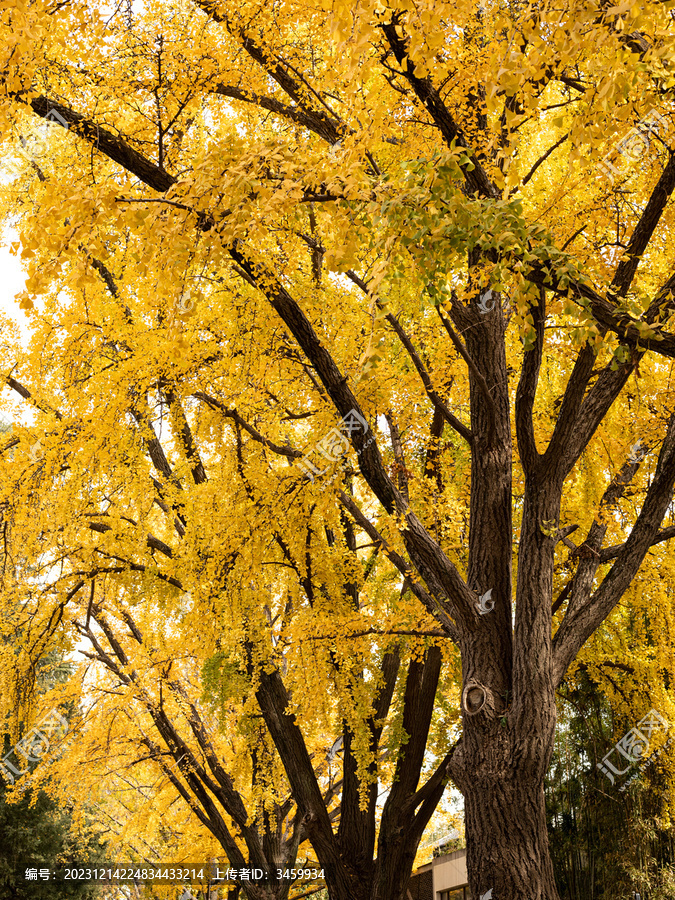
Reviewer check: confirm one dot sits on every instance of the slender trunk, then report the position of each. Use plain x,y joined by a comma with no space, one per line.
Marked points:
394,874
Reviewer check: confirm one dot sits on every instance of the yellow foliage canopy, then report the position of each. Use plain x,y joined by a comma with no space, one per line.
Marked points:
255,222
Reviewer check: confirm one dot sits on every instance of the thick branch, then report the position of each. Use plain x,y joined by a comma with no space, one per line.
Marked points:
527,389
273,700
434,566
152,542
476,179
319,123
26,394
184,434
644,230
612,552
577,627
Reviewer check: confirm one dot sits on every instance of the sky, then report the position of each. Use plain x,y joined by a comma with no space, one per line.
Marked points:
13,281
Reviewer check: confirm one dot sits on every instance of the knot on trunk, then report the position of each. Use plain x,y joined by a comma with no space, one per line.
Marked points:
478,698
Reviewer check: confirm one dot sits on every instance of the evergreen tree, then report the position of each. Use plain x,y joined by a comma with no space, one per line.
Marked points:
604,843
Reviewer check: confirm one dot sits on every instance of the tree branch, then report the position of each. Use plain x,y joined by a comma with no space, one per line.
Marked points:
577,627
287,451
428,601
476,179
527,390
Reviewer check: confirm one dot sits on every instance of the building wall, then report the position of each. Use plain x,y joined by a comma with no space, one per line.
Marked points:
449,871
421,886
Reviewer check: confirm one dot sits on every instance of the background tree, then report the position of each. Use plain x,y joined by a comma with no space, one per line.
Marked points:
604,844
40,832
381,213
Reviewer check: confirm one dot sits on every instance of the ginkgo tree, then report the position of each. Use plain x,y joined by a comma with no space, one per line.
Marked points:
284,262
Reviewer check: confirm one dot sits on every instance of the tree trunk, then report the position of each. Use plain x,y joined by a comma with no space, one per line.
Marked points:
507,839
500,768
